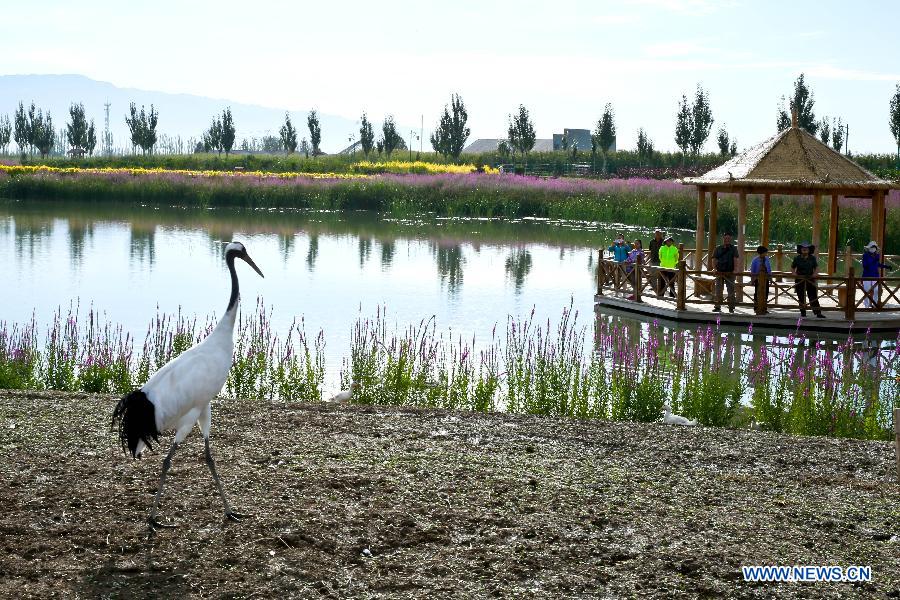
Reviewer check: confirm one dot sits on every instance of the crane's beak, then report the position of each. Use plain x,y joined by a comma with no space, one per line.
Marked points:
249,261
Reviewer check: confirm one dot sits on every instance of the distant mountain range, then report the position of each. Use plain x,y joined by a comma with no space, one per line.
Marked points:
182,115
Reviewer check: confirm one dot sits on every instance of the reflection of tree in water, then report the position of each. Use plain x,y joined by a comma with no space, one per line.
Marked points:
387,253
31,236
518,266
286,244
313,252
365,249
450,263
143,245
79,233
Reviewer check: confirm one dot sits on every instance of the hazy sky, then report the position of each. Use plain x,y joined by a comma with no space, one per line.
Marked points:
562,59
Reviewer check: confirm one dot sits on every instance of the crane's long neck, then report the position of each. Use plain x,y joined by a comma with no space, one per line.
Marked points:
228,319
235,289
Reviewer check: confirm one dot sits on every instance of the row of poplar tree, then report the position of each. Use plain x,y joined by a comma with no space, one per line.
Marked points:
32,130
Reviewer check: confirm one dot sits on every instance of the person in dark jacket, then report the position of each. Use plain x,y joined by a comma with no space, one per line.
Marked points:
806,268
724,258
759,265
872,265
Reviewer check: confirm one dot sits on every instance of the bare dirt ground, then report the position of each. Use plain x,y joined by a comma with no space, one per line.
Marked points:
377,502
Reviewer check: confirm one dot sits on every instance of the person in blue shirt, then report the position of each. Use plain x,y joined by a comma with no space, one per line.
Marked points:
620,249
872,265
760,264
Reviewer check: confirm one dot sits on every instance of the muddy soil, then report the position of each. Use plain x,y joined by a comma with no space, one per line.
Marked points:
382,502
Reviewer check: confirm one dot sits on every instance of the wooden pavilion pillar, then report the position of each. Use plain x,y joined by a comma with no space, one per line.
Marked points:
817,221
713,225
833,235
701,213
878,212
741,242
767,210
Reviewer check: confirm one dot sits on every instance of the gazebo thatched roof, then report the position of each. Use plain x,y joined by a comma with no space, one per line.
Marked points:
791,160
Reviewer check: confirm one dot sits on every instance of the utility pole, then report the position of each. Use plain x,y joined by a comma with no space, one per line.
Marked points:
847,138
107,136
421,132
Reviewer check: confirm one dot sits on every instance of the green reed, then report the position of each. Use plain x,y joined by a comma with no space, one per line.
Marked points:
564,370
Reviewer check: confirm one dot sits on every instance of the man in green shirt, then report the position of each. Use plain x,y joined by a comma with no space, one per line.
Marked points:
805,267
668,262
723,263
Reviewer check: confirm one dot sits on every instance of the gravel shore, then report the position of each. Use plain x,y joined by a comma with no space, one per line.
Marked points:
384,502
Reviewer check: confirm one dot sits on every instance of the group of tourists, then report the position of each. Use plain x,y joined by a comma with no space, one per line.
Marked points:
664,257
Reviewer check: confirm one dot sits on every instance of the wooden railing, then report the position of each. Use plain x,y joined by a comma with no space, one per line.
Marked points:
836,293
781,257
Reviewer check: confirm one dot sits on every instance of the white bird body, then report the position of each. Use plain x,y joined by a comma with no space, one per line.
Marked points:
670,419
184,387
344,395
179,394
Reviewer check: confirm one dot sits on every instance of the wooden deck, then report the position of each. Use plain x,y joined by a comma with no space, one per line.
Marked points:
842,299
778,320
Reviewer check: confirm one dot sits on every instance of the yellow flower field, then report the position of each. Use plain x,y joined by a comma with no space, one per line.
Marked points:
359,170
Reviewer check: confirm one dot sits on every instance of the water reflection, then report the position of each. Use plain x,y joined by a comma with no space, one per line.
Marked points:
142,245
365,249
388,247
518,265
449,265
312,252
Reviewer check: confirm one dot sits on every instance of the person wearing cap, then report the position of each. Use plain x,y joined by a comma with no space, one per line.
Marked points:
637,252
805,267
619,249
760,264
655,244
871,263
723,263
668,262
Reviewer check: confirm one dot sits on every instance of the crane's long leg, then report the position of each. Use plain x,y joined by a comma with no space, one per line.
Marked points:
167,462
229,514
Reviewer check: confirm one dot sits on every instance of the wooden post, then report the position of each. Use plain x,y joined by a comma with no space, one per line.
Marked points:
713,224
817,221
681,300
600,272
850,308
636,273
833,235
701,213
767,210
897,439
882,217
876,218
742,242
762,297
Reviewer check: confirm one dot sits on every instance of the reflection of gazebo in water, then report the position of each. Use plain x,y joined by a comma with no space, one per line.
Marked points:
791,163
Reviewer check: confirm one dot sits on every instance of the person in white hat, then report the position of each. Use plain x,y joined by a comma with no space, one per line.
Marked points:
872,265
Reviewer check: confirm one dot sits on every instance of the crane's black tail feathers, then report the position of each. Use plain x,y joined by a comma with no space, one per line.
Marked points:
136,418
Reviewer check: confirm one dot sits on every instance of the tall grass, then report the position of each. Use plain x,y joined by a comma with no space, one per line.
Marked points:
88,354
615,372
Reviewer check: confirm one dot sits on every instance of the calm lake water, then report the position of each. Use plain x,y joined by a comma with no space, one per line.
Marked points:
130,261
330,268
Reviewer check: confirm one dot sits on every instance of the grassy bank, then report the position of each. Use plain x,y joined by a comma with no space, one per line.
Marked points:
644,202
799,386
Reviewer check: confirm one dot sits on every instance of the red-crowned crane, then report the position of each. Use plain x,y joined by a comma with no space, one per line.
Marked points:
179,394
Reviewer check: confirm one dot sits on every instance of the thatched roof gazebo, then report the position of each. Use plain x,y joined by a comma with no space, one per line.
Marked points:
795,163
